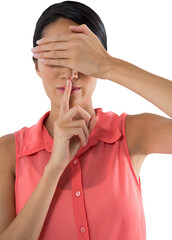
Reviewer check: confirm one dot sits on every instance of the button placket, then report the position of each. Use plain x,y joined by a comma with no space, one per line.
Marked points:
78,200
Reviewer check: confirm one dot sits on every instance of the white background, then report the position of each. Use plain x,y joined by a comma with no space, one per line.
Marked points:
138,32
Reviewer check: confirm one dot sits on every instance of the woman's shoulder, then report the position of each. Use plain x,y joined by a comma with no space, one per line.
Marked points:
8,152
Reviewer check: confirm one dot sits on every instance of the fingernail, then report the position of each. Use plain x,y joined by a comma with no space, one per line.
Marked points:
36,55
39,41
73,26
67,83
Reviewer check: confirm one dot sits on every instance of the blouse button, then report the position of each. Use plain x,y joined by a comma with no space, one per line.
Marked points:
78,193
75,161
82,229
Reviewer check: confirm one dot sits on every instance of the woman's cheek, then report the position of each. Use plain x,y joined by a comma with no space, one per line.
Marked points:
48,73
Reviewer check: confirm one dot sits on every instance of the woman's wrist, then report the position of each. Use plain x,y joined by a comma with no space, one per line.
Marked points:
108,68
52,170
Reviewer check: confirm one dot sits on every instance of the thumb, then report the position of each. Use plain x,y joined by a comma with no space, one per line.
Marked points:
93,122
81,29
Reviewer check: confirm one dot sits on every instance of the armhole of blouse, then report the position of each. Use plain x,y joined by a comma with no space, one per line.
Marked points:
123,123
17,164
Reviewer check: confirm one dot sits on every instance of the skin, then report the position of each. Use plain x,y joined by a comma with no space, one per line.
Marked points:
56,76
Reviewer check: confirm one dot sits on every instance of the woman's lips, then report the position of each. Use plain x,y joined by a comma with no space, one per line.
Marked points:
74,90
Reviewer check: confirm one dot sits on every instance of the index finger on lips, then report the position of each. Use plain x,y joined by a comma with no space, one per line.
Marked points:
64,104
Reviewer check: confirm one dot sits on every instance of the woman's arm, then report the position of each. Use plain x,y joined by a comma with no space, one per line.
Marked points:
29,222
153,133
153,88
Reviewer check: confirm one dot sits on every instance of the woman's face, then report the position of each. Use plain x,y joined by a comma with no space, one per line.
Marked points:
56,76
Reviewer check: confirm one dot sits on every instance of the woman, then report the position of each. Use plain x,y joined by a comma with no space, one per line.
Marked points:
75,173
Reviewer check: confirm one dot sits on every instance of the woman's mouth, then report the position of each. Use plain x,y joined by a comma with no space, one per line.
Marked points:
74,90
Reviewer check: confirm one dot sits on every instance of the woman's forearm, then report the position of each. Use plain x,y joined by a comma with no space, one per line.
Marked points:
29,222
153,88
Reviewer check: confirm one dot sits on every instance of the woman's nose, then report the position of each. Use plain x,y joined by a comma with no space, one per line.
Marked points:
69,74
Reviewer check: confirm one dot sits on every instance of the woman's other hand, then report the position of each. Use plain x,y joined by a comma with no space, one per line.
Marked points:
80,50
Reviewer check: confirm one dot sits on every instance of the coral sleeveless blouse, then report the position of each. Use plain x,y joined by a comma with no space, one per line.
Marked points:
98,196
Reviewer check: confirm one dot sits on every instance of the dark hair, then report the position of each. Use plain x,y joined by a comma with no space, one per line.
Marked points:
76,11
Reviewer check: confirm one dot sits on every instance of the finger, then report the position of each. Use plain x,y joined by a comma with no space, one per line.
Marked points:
77,132
64,104
78,110
66,62
53,54
78,123
55,38
93,122
50,47
83,28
